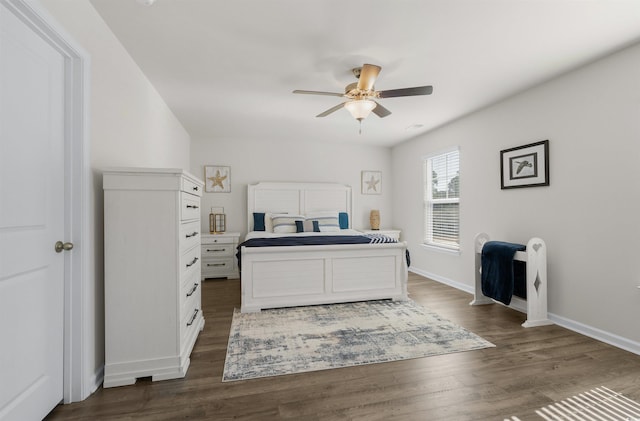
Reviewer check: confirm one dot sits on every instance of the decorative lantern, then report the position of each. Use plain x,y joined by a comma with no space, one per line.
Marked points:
374,219
217,221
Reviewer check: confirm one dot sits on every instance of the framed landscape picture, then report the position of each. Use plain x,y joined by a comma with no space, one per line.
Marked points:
525,166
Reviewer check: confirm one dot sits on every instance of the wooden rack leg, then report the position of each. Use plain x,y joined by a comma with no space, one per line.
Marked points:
478,297
536,284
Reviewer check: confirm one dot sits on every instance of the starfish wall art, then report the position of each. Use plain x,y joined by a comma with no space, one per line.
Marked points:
217,179
371,182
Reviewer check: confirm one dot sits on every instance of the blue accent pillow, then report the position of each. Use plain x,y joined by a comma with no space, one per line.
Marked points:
299,226
343,220
316,226
258,221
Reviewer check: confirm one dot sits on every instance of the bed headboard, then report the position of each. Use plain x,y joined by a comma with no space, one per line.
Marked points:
297,198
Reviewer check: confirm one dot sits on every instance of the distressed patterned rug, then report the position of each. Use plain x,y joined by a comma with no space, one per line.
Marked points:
301,339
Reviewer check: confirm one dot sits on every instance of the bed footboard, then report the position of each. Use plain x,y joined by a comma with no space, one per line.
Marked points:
307,275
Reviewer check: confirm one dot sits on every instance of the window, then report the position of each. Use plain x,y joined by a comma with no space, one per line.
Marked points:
442,200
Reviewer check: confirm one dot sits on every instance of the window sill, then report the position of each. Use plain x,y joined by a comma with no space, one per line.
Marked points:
440,249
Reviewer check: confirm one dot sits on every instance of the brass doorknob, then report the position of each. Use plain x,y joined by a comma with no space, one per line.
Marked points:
60,246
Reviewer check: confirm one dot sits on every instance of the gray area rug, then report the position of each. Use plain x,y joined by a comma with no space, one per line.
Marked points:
301,339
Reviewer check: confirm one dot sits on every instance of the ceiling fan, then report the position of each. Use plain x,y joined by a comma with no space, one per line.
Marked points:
362,95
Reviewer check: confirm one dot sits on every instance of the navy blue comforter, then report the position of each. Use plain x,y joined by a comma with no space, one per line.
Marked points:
313,240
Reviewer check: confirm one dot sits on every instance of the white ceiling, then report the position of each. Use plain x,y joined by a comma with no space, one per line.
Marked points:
227,68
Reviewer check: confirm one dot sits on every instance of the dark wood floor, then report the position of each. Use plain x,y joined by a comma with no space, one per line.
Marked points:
528,368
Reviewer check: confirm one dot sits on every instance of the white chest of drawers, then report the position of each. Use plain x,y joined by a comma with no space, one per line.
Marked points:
219,255
152,237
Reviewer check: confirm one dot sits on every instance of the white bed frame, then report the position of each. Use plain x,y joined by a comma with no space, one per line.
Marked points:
291,276
535,257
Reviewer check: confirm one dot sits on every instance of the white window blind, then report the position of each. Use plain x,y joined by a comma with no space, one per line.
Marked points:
442,200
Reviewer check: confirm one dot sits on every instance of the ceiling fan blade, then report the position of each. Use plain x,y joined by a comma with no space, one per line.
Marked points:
368,75
380,111
418,90
298,91
330,110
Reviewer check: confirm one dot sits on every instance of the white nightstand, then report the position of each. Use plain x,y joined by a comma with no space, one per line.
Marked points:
389,233
219,255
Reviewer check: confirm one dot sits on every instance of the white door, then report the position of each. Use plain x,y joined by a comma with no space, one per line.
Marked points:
31,221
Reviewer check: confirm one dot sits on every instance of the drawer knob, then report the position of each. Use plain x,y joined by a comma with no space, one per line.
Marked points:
193,234
214,250
193,262
192,207
216,264
195,188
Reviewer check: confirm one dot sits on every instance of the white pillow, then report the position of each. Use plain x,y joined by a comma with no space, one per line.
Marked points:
284,222
268,224
327,220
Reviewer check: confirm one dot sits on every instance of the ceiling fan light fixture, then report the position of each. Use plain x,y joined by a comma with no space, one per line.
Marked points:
360,108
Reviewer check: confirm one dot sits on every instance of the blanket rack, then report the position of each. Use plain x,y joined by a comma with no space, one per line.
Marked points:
535,257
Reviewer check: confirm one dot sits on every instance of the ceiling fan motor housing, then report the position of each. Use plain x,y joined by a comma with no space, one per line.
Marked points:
352,91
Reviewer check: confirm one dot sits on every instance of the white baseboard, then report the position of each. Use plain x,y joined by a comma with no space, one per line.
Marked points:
96,380
595,333
521,305
442,280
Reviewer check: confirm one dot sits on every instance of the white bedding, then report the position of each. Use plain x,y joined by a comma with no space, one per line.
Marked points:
265,234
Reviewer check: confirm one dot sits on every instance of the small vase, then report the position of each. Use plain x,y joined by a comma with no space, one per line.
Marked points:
374,219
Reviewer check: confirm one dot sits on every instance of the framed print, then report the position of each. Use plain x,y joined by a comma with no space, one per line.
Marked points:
525,166
217,179
371,182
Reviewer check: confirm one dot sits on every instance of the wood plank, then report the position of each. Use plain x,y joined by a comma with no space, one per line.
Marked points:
528,369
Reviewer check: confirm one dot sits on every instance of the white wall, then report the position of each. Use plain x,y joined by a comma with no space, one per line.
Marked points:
254,160
588,215
130,125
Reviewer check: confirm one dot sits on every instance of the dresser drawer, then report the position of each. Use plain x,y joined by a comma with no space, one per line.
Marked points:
189,262
190,206
189,285
189,186
192,312
189,235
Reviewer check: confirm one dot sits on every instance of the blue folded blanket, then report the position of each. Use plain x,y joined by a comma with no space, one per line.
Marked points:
499,274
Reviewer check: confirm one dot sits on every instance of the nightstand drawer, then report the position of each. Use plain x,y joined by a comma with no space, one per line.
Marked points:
217,268
217,250
218,253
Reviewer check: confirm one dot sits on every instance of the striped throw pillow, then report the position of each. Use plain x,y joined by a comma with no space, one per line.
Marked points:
285,223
